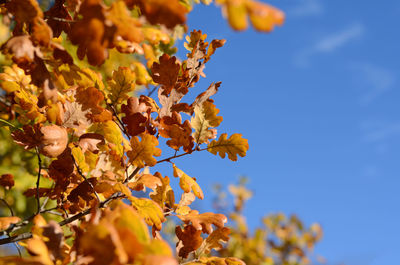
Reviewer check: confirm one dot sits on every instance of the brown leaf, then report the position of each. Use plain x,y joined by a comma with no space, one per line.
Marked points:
54,14
134,119
180,134
83,190
189,240
29,137
166,72
7,181
204,221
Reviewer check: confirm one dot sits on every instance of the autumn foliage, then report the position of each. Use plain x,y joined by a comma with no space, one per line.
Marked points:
92,93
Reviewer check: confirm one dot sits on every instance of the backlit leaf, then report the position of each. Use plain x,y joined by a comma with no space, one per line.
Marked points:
233,146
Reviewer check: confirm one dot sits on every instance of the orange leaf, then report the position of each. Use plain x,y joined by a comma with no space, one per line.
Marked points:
204,221
143,151
5,222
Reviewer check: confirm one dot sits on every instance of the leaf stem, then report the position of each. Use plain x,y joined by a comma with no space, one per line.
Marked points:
38,181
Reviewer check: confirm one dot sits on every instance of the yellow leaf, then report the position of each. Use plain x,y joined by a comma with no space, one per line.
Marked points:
187,183
163,194
149,210
233,146
205,117
143,151
122,82
142,75
80,159
237,14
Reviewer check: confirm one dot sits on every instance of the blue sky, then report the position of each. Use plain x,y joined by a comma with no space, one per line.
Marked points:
318,100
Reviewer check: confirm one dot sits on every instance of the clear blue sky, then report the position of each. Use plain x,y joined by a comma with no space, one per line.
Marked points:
318,100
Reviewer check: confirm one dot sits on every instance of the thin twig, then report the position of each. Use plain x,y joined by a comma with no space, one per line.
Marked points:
152,91
168,159
61,19
38,181
9,207
120,123
84,177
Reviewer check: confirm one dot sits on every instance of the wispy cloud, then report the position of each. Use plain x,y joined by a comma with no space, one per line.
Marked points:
380,131
374,79
330,43
306,8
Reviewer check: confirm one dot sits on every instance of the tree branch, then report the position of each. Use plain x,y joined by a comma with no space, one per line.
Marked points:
28,235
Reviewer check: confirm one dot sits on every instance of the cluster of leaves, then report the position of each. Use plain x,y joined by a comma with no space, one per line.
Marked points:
88,141
282,240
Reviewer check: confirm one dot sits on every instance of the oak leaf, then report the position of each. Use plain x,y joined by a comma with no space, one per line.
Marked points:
166,72
205,117
163,194
180,134
148,209
54,14
214,240
189,240
143,151
204,221
187,183
134,120
233,146
121,83
144,181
